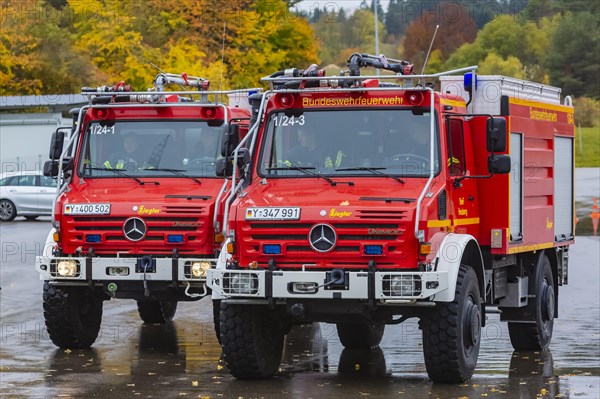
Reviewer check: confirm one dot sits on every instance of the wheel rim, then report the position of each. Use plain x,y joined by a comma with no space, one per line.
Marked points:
547,301
6,210
471,325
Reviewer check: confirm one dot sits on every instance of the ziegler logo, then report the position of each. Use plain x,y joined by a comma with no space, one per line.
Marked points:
142,210
383,232
185,224
334,213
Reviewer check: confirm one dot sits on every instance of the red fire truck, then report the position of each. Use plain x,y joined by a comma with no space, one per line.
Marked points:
368,200
137,202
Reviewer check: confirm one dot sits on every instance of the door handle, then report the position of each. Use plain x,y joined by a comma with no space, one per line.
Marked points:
12,191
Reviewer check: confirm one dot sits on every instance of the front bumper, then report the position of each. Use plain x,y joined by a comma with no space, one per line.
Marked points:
385,287
130,269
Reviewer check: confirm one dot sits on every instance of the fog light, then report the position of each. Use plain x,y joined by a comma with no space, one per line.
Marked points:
403,285
199,269
67,268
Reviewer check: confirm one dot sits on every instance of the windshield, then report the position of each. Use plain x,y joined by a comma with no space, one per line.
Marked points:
348,142
165,148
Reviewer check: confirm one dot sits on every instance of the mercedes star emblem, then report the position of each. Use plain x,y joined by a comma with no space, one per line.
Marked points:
134,229
322,238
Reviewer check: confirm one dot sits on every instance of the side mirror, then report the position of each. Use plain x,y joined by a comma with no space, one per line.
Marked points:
496,135
224,166
229,139
51,167
56,144
499,164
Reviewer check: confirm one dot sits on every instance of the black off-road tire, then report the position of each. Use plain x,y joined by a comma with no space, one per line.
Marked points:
157,312
452,332
251,339
360,335
216,317
536,336
73,315
8,211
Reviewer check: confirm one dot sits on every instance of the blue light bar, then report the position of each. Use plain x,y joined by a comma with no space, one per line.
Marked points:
272,249
373,249
175,238
92,238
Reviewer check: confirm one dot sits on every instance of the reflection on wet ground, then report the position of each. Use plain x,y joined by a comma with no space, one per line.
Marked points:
182,360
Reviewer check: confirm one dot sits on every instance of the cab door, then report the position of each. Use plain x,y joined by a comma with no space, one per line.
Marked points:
463,203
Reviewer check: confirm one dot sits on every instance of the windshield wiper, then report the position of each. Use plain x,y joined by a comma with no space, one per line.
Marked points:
307,170
178,172
375,171
120,173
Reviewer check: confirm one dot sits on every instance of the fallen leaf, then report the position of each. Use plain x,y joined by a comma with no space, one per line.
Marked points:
194,383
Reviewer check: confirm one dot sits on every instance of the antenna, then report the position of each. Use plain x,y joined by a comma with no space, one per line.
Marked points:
155,66
430,47
222,57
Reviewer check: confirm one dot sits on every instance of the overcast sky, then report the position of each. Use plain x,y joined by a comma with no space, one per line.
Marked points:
336,4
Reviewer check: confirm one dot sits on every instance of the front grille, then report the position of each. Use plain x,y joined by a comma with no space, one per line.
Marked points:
159,227
294,237
382,214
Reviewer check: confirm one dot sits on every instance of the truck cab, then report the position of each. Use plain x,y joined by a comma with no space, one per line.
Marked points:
365,201
138,200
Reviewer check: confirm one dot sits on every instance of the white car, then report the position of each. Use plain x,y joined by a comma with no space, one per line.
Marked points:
28,193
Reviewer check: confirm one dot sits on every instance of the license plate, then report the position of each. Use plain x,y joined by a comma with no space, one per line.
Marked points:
87,209
272,213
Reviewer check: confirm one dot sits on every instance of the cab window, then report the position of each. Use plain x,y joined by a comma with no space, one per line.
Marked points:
456,147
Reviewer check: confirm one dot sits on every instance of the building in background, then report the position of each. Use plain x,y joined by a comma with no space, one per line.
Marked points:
26,125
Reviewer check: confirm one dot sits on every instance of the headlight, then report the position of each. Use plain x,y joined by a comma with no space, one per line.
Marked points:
403,285
199,269
240,283
67,268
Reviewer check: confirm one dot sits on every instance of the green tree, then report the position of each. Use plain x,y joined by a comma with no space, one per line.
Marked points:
574,57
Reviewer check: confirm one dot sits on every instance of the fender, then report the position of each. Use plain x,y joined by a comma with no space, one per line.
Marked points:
224,256
452,249
47,251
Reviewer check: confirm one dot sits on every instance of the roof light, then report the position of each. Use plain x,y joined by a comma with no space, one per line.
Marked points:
286,100
414,98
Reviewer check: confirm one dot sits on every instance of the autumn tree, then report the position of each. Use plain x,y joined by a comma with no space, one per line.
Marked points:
456,27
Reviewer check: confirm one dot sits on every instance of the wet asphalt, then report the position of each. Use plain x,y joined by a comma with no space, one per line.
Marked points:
182,360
